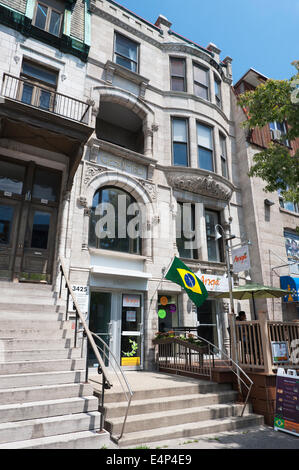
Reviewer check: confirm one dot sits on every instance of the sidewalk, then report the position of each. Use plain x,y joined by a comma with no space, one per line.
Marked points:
262,437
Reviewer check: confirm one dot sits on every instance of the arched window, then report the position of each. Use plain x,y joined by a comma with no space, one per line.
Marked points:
114,222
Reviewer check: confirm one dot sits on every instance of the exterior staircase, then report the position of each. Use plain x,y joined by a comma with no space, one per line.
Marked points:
44,402
166,406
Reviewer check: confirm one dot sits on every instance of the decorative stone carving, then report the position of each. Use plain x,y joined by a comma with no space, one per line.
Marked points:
91,172
82,201
150,188
205,185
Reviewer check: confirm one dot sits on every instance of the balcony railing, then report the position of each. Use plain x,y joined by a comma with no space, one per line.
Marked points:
24,91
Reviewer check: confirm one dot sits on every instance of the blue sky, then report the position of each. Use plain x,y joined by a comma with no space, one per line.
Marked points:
262,34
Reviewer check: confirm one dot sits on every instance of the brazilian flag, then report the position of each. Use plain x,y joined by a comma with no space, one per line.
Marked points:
181,274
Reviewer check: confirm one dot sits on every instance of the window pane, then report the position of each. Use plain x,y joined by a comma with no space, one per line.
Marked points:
39,73
223,146
54,27
27,93
180,154
223,167
11,177
6,217
46,185
204,135
177,67
201,76
126,63
179,129
213,245
41,16
44,100
126,47
40,230
201,91
177,84
205,159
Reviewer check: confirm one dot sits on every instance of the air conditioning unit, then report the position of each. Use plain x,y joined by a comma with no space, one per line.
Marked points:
275,134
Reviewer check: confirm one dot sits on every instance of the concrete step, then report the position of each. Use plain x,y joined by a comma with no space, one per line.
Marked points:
41,366
31,315
39,354
202,386
190,429
47,427
158,404
25,286
9,344
173,417
43,392
41,378
37,333
79,440
37,324
47,408
40,308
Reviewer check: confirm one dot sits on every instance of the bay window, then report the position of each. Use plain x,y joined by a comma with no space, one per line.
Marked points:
180,141
205,147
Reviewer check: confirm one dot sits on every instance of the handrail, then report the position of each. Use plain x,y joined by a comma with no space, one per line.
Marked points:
106,381
230,360
128,395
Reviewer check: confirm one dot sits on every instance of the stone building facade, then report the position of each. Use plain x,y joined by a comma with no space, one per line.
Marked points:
270,222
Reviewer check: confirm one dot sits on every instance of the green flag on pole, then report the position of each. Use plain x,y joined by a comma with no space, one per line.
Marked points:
181,274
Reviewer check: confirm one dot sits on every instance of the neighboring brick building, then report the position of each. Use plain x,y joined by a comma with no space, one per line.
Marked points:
270,221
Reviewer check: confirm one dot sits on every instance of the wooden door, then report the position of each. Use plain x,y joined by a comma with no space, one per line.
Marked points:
9,220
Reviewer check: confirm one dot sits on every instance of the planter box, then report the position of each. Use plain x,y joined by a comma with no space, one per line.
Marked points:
187,344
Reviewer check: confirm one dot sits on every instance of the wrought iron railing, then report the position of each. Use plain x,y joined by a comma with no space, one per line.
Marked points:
38,96
100,349
183,356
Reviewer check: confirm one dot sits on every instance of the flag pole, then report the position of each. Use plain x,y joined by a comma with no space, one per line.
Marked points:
164,271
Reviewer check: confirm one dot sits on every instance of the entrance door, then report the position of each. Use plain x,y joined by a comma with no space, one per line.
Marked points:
208,324
100,324
131,344
9,216
29,199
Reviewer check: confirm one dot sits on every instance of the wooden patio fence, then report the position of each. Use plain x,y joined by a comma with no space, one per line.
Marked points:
253,343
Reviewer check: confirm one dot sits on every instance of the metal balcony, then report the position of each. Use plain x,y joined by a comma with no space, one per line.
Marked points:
46,99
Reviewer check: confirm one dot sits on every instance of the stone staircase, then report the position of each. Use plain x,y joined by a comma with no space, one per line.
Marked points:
166,407
44,402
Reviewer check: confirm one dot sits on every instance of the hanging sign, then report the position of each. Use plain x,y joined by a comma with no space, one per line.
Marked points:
131,300
287,402
241,260
214,283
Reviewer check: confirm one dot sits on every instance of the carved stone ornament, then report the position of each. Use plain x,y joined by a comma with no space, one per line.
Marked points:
205,185
82,201
150,188
91,172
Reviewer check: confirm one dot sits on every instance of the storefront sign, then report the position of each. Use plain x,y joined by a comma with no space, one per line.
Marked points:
131,316
131,300
292,249
241,260
287,402
279,351
82,298
292,285
214,283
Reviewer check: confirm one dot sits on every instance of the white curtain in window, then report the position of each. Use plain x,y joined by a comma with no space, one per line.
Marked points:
179,130
204,136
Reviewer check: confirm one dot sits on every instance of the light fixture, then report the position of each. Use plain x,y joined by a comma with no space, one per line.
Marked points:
269,203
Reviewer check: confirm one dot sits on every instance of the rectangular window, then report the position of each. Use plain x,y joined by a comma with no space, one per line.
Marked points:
223,156
38,85
205,147
180,141
201,82
288,205
40,230
48,18
185,230
278,130
126,52
217,85
178,74
214,250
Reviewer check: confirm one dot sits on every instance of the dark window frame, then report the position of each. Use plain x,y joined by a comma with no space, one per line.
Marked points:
50,8
115,53
180,118
173,75
201,85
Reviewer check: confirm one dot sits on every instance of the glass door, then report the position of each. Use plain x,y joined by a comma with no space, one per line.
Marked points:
131,344
208,323
100,323
9,217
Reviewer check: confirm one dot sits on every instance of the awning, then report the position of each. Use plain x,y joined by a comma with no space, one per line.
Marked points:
119,272
292,285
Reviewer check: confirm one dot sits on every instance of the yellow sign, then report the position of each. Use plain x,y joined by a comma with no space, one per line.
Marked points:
130,361
190,281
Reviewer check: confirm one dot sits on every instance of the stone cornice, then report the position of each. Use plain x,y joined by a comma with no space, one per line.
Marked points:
198,181
187,48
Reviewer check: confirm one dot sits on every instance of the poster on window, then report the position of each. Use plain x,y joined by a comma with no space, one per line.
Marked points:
287,402
82,297
280,351
292,249
130,300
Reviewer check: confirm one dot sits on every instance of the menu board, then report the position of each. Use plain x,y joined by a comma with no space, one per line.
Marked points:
287,402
